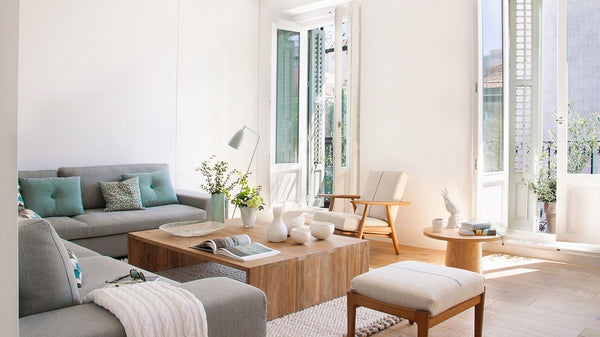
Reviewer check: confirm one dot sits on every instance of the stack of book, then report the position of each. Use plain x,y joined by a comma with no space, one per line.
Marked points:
477,227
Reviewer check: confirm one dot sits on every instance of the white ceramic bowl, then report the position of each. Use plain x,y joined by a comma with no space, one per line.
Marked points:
321,230
300,234
293,219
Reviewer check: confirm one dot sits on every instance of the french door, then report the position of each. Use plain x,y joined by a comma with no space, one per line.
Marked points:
578,193
491,131
313,110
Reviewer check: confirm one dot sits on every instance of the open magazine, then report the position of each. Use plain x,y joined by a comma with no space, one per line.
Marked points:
239,247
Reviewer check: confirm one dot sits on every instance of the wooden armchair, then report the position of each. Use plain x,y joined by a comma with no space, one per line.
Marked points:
375,213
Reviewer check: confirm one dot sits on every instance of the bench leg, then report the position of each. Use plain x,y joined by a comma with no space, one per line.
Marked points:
422,320
351,304
479,316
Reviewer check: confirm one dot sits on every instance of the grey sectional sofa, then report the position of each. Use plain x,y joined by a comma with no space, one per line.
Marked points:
106,232
50,302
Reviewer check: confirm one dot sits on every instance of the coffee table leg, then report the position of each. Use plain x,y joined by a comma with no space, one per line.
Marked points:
464,255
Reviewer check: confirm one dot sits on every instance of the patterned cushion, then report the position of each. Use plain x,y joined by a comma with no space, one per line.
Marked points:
76,267
52,196
122,195
155,187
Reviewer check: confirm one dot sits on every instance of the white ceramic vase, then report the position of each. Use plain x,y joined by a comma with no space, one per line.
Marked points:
277,230
248,216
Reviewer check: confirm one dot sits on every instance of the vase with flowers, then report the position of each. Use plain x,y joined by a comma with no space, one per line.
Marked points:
220,180
249,201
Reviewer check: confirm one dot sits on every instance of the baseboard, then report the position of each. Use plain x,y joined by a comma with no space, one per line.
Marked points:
561,252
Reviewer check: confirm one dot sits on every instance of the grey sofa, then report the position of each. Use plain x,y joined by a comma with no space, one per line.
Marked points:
50,302
106,232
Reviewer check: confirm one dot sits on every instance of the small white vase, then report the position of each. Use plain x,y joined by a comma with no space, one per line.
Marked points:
248,216
277,230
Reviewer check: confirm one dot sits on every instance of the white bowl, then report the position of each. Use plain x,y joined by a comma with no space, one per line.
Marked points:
293,219
300,234
321,230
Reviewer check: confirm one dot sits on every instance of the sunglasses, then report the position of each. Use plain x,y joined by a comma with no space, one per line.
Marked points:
134,274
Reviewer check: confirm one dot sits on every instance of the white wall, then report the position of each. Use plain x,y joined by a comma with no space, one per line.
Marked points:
416,94
9,292
97,82
141,81
217,91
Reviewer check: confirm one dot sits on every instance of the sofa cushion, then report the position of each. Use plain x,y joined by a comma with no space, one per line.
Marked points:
155,187
96,222
52,196
44,264
122,195
91,176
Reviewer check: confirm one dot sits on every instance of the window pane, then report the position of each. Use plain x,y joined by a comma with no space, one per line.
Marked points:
288,51
492,126
583,42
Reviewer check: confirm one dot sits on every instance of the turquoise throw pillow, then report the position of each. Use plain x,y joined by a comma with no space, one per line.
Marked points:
155,188
122,195
52,196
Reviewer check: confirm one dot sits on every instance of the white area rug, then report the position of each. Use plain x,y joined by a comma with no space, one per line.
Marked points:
328,320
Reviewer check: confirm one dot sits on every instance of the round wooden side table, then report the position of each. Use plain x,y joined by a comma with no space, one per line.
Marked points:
462,251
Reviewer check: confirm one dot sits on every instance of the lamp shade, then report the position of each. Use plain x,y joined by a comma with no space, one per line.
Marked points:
237,138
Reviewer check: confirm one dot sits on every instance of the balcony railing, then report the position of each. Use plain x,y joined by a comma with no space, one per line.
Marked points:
591,167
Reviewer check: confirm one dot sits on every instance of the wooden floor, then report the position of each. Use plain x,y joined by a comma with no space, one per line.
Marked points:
524,296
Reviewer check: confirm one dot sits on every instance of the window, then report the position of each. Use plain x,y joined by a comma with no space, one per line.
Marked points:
287,109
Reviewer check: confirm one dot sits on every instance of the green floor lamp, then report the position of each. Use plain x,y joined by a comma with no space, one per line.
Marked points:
235,143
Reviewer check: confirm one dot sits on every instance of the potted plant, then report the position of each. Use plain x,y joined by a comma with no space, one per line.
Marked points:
219,182
249,201
583,142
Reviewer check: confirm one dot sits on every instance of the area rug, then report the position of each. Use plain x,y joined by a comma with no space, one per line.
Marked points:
327,319
202,270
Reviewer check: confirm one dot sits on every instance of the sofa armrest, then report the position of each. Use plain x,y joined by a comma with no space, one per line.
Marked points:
195,199
84,320
232,308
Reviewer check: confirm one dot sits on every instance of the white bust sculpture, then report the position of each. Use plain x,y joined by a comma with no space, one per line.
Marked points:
454,218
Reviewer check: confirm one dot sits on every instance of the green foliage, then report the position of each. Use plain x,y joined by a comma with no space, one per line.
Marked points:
583,142
219,179
248,196
545,184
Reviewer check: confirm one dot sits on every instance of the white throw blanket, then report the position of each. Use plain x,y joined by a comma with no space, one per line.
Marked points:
153,309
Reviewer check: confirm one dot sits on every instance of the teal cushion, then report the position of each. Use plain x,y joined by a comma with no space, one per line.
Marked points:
52,196
155,187
122,195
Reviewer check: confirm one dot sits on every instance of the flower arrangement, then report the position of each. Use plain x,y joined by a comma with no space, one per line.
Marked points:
219,178
248,196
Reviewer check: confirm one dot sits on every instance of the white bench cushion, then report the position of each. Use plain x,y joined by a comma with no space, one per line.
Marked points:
419,286
347,221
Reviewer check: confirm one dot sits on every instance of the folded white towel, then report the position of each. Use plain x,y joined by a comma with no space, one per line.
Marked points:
153,309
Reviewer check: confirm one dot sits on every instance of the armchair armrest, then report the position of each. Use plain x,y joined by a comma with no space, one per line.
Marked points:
346,196
334,196
382,203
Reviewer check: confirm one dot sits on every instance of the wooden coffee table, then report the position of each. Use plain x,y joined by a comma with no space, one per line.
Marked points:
299,277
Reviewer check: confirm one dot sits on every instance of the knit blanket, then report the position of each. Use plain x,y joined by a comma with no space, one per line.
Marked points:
153,309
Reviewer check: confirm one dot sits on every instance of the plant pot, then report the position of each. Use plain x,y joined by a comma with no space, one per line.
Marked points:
550,211
248,216
217,207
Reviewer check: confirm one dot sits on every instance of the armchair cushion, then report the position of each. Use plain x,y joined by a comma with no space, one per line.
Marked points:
383,186
347,221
